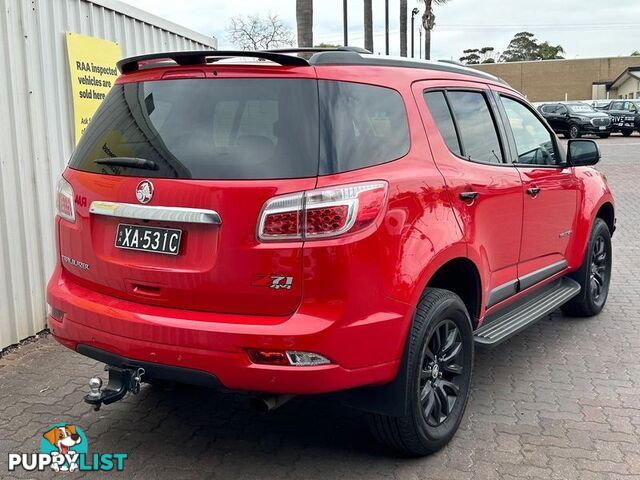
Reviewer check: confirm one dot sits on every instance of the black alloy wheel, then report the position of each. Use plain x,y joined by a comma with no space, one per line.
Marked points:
441,373
600,270
574,131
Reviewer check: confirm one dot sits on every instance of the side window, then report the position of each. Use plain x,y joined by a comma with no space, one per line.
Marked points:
617,105
562,110
534,142
361,126
442,116
477,129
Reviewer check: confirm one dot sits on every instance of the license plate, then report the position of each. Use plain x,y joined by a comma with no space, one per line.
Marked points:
603,128
149,239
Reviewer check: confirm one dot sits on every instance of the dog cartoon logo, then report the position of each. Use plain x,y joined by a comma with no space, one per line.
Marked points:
64,448
144,191
66,442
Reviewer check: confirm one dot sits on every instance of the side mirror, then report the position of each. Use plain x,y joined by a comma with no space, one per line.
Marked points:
582,153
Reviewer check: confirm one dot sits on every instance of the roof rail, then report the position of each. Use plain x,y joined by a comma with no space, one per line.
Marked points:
132,64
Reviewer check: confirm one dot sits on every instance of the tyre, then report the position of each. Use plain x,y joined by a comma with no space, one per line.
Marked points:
604,135
627,133
594,276
574,131
439,363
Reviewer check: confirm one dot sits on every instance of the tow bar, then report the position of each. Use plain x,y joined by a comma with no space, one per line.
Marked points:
121,381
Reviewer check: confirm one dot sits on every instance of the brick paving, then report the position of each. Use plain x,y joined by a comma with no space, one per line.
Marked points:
560,401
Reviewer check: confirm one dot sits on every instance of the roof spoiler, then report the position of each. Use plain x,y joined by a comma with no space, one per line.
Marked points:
200,57
281,56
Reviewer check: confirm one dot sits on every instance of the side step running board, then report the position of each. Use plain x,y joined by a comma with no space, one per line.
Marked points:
515,318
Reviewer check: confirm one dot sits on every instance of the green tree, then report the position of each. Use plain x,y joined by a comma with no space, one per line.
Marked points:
550,52
471,56
327,45
475,56
522,47
304,22
428,22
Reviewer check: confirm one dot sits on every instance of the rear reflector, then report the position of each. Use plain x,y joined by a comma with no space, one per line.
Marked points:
322,213
292,358
268,357
56,314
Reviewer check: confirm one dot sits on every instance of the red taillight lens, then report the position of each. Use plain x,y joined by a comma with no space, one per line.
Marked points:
64,201
279,224
326,220
322,213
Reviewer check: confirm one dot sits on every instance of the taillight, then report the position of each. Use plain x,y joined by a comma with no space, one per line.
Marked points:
322,213
64,201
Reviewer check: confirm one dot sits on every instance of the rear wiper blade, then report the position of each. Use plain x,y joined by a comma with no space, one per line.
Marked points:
130,162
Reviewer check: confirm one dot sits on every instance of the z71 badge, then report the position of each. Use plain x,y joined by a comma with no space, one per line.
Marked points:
272,281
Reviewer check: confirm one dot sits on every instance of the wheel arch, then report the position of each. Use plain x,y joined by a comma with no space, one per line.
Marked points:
462,277
607,213
391,398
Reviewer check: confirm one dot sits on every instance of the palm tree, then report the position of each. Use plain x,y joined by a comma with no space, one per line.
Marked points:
304,21
428,22
368,25
403,28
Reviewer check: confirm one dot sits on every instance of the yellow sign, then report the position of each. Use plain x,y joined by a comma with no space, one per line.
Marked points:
92,63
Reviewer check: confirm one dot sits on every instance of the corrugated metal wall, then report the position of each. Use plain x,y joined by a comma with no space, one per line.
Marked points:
36,131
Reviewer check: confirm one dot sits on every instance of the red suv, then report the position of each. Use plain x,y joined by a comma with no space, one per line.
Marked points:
321,221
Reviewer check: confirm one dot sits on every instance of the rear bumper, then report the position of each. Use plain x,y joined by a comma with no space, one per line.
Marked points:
364,351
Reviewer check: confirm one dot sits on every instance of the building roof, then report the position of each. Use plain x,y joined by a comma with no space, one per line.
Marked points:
146,17
631,72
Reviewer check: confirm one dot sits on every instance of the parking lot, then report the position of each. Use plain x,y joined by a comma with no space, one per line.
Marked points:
559,401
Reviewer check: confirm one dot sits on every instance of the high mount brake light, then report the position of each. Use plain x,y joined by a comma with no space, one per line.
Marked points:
65,207
322,213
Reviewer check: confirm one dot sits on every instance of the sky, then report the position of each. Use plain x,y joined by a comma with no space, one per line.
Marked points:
585,28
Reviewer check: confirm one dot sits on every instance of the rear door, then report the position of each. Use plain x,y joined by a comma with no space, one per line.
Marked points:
485,191
550,192
221,144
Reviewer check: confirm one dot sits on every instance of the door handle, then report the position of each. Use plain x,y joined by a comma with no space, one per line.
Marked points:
533,191
468,196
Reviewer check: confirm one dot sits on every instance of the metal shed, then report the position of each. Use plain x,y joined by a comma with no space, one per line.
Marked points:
37,131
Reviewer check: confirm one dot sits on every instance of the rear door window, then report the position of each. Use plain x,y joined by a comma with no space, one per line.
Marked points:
441,114
361,126
206,129
476,126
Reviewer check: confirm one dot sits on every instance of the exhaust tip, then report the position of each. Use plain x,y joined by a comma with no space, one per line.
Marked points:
268,403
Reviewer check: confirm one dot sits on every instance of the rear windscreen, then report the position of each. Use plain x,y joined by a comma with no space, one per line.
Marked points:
205,129
243,129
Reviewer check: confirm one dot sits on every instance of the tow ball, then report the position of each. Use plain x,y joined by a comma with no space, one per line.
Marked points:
121,381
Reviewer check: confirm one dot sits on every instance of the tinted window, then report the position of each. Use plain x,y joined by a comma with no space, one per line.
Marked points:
477,130
361,126
206,129
551,108
617,106
533,141
442,116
